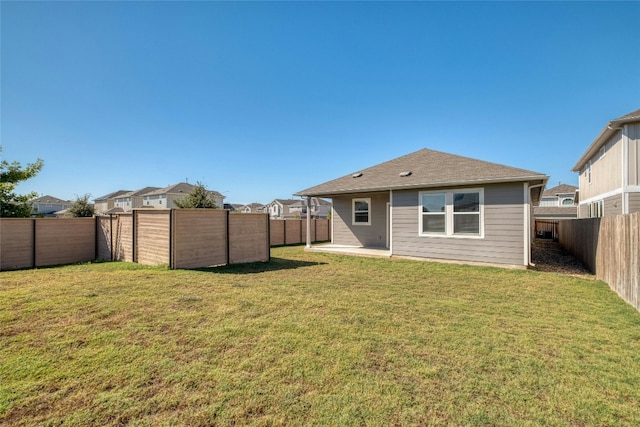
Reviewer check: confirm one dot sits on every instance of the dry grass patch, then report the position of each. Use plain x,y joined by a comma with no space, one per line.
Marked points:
316,339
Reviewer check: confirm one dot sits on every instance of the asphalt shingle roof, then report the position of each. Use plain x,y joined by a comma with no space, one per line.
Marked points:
560,189
51,200
423,168
631,117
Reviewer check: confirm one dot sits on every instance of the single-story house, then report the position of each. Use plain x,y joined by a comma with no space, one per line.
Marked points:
435,205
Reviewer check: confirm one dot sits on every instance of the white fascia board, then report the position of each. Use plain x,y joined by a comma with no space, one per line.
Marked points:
527,179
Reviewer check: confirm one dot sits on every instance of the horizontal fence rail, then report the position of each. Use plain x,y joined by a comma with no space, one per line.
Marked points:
180,238
610,248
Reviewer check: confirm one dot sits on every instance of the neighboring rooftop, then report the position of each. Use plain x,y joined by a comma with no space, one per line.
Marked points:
560,189
421,169
631,117
559,211
113,195
179,188
140,192
50,200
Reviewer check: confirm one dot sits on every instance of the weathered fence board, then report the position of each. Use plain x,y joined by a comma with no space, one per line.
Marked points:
39,242
181,238
151,236
199,238
250,238
65,240
294,231
16,240
610,248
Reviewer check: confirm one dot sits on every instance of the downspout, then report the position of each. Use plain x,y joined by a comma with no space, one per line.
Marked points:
308,245
625,169
529,211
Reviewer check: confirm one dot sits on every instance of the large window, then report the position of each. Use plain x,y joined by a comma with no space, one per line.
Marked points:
456,213
361,212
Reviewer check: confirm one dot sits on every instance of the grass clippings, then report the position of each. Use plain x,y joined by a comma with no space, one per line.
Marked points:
315,339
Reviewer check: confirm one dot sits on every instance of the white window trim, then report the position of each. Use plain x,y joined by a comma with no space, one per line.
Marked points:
353,210
449,214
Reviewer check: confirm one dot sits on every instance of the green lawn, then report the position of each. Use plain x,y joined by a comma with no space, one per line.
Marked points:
315,339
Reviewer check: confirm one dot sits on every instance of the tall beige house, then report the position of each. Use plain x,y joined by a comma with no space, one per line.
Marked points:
610,170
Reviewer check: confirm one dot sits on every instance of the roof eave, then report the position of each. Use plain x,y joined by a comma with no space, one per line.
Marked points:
600,140
305,193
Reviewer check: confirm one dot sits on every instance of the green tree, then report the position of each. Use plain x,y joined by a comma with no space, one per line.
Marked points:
198,198
14,205
81,207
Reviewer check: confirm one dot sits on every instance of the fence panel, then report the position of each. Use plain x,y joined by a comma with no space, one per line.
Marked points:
199,238
16,243
65,240
293,228
151,236
250,240
323,232
610,248
276,235
104,238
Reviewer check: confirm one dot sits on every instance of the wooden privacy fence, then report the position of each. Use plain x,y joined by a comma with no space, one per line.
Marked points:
38,242
181,238
293,231
610,248
184,238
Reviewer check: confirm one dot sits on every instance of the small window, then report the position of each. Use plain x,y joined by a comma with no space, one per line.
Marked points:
361,209
588,173
567,202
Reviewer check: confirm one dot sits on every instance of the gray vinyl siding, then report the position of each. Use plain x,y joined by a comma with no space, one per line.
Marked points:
634,202
504,227
374,235
613,205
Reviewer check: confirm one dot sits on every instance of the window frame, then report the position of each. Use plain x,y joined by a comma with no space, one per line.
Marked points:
450,214
353,210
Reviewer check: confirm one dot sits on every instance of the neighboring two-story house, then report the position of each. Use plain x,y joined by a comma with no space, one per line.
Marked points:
106,202
297,208
167,196
610,170
132,199
557,203
48,205
253,208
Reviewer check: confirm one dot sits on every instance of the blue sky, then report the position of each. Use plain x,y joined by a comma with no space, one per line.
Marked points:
258,100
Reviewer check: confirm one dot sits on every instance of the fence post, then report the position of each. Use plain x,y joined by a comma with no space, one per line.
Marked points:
228,243
171,239
134,217
34,242
111,234
95,238
268,238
